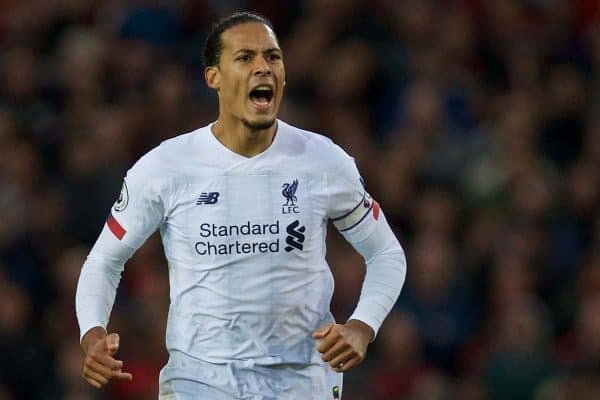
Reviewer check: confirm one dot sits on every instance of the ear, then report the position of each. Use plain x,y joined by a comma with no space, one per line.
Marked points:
212,75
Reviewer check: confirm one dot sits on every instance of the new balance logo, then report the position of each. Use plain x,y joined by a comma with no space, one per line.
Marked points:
295,236
207,198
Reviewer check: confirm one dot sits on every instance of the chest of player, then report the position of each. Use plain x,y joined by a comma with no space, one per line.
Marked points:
251,214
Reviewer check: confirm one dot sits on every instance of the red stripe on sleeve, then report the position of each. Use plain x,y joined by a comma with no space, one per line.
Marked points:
115,227
376,210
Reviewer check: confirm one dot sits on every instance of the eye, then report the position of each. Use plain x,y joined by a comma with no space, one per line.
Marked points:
274,56
243,58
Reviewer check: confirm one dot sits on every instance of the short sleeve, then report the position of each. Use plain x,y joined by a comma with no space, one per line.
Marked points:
350,207
140,207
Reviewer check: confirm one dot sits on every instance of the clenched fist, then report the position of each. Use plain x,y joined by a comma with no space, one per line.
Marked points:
343,346
99,366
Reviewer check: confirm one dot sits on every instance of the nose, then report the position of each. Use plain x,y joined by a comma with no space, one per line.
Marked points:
261,66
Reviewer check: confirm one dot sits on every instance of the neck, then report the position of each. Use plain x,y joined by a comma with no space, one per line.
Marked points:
241,139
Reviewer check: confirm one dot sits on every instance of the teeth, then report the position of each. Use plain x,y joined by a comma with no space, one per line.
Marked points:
262,87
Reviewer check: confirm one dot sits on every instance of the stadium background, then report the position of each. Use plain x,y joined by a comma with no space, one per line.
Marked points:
476,124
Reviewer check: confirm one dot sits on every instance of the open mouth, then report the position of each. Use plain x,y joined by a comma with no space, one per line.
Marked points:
261,95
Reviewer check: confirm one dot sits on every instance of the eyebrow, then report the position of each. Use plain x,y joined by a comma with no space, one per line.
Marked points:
269,50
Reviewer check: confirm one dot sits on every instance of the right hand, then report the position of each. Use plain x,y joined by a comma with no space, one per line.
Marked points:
99,366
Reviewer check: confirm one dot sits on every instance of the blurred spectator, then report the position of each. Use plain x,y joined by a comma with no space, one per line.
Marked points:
519,360
437,297
400,364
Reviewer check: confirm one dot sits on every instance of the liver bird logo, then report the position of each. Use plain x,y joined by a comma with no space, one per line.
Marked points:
289,192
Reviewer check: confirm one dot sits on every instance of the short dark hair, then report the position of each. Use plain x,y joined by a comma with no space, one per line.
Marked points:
214,45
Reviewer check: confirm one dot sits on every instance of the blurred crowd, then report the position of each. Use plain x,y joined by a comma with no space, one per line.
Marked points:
475,124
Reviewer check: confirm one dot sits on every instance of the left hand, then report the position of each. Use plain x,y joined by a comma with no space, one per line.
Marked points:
343,346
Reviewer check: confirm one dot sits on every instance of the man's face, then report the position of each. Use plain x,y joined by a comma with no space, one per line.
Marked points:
250,75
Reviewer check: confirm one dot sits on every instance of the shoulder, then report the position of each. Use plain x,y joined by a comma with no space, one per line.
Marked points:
183,141
170,156
321,149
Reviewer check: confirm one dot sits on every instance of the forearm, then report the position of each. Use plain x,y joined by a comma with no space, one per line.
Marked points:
386,272
96,291
381,288
98,282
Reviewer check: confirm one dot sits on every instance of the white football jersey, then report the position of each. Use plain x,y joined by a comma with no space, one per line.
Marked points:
244,239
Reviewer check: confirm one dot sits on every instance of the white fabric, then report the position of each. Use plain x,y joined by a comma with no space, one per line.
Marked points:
192,379
386,272
98,281
245,243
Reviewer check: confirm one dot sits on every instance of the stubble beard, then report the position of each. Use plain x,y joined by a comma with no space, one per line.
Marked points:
258,126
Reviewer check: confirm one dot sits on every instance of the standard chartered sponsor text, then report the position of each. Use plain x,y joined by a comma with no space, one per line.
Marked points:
259,239
208,230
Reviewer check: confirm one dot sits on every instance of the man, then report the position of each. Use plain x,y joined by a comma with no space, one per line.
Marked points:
242,207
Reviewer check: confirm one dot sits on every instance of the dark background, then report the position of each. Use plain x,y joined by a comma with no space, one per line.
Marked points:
476,125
